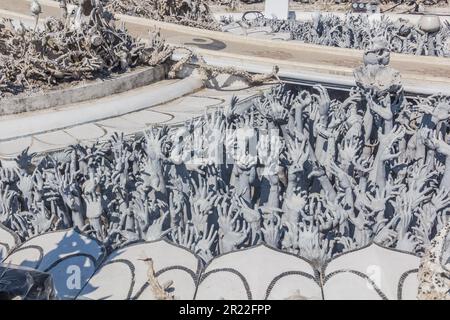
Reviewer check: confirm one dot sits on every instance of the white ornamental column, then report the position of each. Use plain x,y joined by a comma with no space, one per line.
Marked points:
277,9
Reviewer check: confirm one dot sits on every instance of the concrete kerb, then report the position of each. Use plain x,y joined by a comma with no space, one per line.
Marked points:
291,46
102,109
91,90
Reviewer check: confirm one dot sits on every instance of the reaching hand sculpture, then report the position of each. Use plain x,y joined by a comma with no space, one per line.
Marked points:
323,105
271,231
232,230
299,171
206,245
443,148
253,218
298,154
156,230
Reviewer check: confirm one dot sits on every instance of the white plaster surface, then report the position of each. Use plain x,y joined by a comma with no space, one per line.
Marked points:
13,147
7,241
62,254
146,118
260,267
116,280
261,272
113,106
276,9
87,131
96,89
383,266
259,33
57,138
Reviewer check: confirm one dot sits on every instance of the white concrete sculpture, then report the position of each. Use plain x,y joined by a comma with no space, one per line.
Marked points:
295,170
430,37
124,274
258,273
8,241
71,259
371,273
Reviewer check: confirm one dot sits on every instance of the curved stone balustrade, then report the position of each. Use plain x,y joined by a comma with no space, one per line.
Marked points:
101,109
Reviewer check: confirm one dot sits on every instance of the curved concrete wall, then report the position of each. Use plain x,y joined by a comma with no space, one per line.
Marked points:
101,109
92,90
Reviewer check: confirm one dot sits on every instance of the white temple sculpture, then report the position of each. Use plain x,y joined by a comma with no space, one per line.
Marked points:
295,193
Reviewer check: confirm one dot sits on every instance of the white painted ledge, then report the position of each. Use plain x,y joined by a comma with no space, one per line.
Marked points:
96,89
113,106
